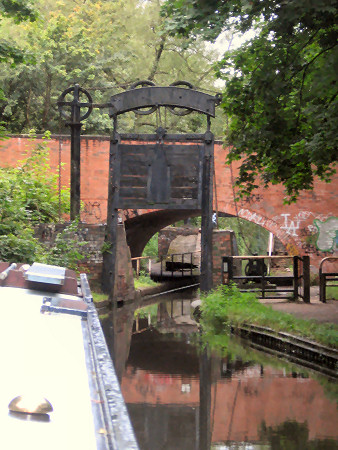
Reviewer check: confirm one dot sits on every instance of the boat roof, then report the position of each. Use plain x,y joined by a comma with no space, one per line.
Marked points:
53,348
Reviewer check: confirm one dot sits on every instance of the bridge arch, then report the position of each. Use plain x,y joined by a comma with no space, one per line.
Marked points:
141,225
265,222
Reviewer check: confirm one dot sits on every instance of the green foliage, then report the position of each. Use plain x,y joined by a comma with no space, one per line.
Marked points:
28,197
99,297
67,250
143,312
15,11
226,306
151,248
281,93
28,192
292,435
98,44
217,305
143,281
21,247
251,238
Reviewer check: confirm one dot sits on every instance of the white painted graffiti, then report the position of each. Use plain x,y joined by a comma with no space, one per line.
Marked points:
252,217
291,227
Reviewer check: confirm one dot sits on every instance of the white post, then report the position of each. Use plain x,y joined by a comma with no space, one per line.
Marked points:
270,248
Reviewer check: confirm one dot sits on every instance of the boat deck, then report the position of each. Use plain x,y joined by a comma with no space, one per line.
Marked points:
60,356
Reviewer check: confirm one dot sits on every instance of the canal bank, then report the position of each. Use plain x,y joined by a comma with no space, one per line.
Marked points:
315,310
255,399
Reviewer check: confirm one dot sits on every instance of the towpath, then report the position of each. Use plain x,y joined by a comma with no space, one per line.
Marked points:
316,310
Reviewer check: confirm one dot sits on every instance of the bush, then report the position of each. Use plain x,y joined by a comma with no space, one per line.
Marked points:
67,250
29,195
227,306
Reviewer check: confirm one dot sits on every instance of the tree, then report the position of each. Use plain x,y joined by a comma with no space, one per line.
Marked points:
105,47
16,11
280,93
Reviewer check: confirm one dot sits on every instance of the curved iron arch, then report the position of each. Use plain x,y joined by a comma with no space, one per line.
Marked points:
154,96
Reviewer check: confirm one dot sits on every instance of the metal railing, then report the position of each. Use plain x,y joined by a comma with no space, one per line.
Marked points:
299,279
326,277
179,263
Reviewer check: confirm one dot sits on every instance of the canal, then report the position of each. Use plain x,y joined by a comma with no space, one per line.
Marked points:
181,397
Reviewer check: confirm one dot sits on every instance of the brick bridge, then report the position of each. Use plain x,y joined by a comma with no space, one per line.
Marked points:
308,227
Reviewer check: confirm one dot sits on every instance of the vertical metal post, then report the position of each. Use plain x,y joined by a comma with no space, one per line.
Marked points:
295,277
75,149
306,278
230,269
205,400
109,256
207,226
261,269
182,268
322,285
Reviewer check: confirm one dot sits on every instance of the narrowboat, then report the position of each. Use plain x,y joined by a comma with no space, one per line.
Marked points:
59,389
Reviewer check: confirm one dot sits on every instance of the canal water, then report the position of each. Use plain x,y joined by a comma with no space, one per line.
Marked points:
181,397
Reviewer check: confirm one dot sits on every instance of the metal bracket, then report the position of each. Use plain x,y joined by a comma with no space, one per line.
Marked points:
64,306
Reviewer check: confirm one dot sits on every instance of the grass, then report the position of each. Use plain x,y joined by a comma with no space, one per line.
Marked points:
143,281
227,306
331,293
98,297
150,309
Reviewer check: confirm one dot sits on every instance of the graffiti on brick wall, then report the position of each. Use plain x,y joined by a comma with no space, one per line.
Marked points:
291,226
253,198
262,221
312,233
317,237
328,234
92,209
252,217
130,213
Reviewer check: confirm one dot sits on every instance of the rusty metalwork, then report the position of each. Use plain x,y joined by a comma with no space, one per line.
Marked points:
326,277
143,83
155,174
156,96
181,111
265,284
74,119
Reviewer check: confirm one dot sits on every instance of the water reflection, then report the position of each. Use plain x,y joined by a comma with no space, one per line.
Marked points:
181,398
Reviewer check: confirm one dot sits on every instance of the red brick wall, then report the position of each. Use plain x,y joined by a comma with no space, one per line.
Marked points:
293,224
93,235
222,245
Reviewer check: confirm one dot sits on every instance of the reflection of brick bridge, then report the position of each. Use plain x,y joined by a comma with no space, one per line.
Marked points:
308,227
